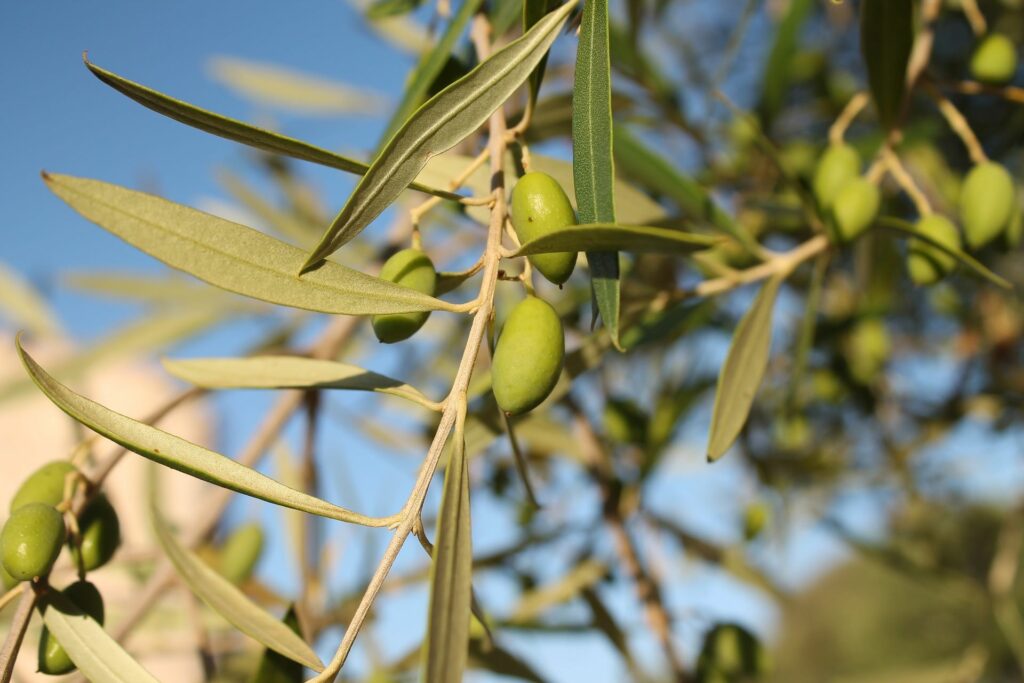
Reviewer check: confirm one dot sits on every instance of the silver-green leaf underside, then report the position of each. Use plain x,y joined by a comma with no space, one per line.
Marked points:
178,454
743,370
238,131
441,123
615,237
593,166
286,372
96,654
229,602
232,256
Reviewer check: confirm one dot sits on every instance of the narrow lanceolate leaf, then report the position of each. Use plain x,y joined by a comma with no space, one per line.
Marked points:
286,372
778,67
273,668
442,122
533,11
430,65
451,589
232,256
886,39
228,601
21,304
177,453
743,371
615,237
235,130
593,168
96,654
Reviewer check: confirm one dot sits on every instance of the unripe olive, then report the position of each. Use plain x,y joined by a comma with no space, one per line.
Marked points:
53,659
926,263
413,269
838,166
730,653
855,208
540,206
528,357
45,485
755,518
8,581
241,552
994,60
867,349
100,534
987,203
31,540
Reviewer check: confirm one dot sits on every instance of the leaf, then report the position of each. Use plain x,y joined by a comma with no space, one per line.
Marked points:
153,290
886,39
225,599
451,589
441,123
402,32
966,259
178,454
381,9
96,654
429,67
232,256
535,603
615,237
25,307
277,86
235,130
533,11
778,67
743,370
273,668
286,372
592,164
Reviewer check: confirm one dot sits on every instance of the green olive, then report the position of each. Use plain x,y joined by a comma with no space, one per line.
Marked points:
838,166
45,485
926,263
100,534
730,652
625,421
988,203
755,519
241,552
6,579
31,540
528,358
413,269
867,349
994,60
855,208
540,206
53,659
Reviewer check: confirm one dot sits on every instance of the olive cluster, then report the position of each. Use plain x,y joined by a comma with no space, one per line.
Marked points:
34,534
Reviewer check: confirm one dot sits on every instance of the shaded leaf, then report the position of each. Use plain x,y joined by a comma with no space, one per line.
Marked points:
227,600
535,603
592,163
286,372
177,453
615,237
886,39
534,11
233,256
743,370
778,67
235,130
441,123
501,661
24,306
273,668
96,654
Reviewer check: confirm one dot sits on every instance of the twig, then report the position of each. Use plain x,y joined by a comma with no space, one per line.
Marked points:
904,179
974,17
958,124
846,117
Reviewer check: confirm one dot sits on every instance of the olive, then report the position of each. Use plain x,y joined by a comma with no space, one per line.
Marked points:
838,166
755,518
53,659
8,581
539,207
855,208
413,269
99,533
31,540
45,485
987,203
730,653
867,349
994,60
926,263
528,358
241,552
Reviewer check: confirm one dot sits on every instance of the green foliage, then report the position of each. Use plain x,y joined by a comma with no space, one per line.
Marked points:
53,658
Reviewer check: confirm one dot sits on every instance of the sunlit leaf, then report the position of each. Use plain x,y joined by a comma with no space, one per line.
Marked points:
536,602
441,123
615,237
232,256
24,306
381,9
400,31
146,288
177,453
743,370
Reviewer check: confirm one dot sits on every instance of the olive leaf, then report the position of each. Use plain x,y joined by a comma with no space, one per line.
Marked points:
273,668
22,305
533,11
886,39
743,370
235,130
615,237
225,599
778,68
536,602
177,453
441,123
94,652
232,256
592,163
451,573
286,372
381,9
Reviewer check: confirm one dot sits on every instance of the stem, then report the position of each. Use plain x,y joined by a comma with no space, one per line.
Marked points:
849,113
959,124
